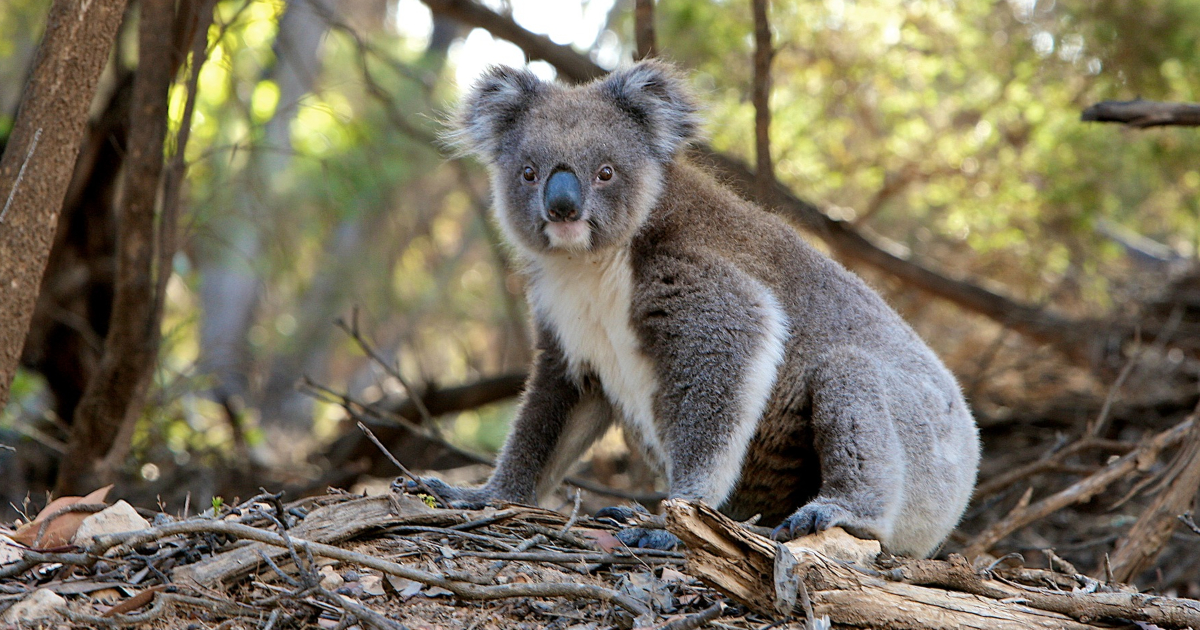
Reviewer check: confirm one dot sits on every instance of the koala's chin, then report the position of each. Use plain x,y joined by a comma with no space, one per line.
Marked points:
571,236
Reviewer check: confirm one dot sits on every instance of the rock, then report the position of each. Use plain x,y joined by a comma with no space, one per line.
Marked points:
116,518
41,604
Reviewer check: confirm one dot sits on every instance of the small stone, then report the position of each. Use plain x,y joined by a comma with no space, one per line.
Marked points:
114,519
330,580
41,604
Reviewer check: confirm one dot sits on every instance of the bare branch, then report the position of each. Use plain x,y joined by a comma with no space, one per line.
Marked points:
1139,113
1082,490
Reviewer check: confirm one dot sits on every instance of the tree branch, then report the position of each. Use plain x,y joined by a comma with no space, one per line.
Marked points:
1139,113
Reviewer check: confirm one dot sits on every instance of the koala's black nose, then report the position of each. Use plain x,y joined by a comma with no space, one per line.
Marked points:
562,196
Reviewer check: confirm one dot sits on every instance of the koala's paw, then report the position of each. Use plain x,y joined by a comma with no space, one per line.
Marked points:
455,497
642,538
812,518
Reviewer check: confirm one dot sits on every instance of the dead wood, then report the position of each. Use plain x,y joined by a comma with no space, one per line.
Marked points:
1140,113
1140,546
328,524
1023,514
899,594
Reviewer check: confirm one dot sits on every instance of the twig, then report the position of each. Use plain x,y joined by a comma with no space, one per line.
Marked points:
392,370
462,589
1101,424
698,620
425,487
1050,463
1186,519
359,411
1139,547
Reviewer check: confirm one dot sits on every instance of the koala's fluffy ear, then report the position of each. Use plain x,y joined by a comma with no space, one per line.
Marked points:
656,96
492,107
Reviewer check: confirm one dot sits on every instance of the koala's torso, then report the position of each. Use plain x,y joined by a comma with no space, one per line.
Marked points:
618,313
761,375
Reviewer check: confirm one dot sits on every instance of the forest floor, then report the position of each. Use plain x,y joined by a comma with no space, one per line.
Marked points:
391,561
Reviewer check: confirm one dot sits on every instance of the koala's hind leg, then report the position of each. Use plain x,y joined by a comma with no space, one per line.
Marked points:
861,457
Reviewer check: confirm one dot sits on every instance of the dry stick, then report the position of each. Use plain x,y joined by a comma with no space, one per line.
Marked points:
698,620
90,508
1139,547
462,589
404,469
1186,519
364,614
1052,462
1082,490
1101,424
393,371
1139,113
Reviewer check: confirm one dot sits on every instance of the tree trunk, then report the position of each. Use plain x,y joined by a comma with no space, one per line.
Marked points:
40,158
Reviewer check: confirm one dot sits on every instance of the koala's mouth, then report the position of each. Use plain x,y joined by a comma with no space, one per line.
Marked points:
569,234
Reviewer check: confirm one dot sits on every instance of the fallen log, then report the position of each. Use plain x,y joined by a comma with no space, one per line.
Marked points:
899,594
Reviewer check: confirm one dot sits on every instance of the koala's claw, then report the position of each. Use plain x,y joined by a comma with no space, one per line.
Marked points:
621,514
810,519
454,497
642,538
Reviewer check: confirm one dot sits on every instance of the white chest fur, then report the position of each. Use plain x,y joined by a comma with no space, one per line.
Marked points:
586,299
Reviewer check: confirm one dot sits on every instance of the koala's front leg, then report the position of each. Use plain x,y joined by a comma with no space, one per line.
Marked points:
552,422
717,336
861,457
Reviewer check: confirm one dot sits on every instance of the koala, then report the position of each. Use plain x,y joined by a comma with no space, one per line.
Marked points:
758,374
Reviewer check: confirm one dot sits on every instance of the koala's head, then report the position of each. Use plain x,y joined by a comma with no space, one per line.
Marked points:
576,168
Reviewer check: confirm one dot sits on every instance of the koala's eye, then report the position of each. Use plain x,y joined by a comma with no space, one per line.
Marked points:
529,174
605,173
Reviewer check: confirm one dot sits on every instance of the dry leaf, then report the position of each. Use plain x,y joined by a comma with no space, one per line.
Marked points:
61,528
135,602
603,539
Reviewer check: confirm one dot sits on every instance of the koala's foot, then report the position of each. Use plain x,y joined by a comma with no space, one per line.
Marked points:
643,538
455,497
639,537
817,516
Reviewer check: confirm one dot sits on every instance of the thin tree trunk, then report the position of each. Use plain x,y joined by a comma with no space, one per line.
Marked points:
116,393
40,158
643,27
764,168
